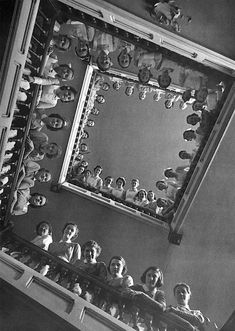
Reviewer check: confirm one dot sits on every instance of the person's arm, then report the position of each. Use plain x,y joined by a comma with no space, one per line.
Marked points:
196,320
44,81
45,105
144,299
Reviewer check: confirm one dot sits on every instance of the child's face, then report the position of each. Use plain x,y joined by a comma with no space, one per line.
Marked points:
161,186
105,86
117,85
108,181
55,123
119,183
37,200
151,279
116,268
97,171
43,176
100,99
144,75
164,80
82,50
150,196
90,123
90,254
66,95
182,295
62,42
69,232
124,59
43,229
134,183
65,72
80,170
142,195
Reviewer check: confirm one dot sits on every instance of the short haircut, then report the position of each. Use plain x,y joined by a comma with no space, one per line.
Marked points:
42,195
91,244
69,88
119,62
43,222
123,180
165,85
98,167
183,285
148,78
120,258
57,154
73,224
70,43
64,122
68,67
155,269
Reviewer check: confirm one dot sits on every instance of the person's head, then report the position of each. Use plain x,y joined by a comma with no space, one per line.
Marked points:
85,135
70,231
152,278
161,185
84,164
37,200
90,251
169,103
186,95
182,293
95,111
79,157
80,169
98,170
124,59
82,50
164,80
142,194
55,122
43,228
169,173
142,95
66,93
129,90
62,42
120,182
162,203
103,61
193,119
83,148
135,183
100,98
90,123
197,106
51,150
151,196
144,75
189,135
43,175
108,180
65,72
87,173
201,94
117,267
185,155
105,86
117,85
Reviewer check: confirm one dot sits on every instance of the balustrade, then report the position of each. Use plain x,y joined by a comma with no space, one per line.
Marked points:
133,311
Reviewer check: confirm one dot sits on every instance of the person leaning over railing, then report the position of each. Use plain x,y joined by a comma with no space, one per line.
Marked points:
182,293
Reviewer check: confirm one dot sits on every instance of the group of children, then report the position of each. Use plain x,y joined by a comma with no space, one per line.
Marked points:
133,196
114,274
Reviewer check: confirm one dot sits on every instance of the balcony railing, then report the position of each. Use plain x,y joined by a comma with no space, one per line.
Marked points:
129,310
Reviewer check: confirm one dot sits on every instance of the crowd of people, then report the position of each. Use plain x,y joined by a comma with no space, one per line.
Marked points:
97,45
85,258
